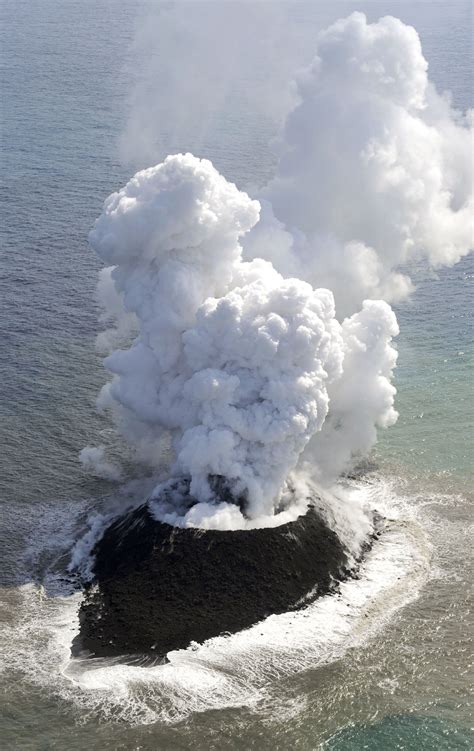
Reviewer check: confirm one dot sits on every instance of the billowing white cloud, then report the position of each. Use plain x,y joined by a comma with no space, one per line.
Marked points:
375,169
231,358
231,346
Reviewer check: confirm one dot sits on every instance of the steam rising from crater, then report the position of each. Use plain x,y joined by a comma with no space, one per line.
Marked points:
245,364
231,359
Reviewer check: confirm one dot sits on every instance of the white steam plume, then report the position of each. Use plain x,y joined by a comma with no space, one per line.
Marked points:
375,168
94,461
261,358
189,58
238,356
362,399
231,358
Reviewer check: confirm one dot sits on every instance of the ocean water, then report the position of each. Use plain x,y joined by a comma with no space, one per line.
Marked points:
385,665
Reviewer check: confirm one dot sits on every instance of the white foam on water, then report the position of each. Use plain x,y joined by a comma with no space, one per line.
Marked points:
226,671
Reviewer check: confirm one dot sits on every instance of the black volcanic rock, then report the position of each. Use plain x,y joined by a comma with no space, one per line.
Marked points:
157,587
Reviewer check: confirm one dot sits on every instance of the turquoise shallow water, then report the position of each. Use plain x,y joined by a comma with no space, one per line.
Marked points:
410,733
67,70
433,435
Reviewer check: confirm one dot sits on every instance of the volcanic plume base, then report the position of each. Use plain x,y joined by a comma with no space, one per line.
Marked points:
158,587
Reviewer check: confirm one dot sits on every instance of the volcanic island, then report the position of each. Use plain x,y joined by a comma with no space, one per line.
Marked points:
157,587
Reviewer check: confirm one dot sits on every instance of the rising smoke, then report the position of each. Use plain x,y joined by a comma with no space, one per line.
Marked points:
240,357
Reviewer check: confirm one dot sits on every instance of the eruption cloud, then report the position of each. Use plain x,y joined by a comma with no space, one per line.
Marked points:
375,169
231,359
239,357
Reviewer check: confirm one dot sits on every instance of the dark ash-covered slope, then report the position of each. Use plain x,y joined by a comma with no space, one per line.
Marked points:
157,588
